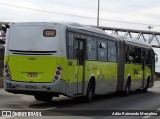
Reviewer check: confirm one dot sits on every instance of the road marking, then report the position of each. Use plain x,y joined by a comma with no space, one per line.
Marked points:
146,117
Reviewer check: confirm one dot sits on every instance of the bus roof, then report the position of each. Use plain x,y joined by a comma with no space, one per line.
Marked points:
132,41
90,29
68,24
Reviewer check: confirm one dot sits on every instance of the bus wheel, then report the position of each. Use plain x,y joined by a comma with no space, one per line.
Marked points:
90,91
45,98
145,89
127,89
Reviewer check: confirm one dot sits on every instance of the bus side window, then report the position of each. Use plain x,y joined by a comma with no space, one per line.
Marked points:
70,46
138,55
102,50
131,55
148,57
91,49
127,54
112,51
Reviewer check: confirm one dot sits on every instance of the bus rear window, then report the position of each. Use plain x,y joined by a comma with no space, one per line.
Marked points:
49,33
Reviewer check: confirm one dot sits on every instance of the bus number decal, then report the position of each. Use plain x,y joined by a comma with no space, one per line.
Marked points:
30,86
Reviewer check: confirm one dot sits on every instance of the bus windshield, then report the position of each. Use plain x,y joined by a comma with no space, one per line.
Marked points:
33,38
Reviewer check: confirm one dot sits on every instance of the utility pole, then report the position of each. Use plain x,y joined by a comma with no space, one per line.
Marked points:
149,27
98,14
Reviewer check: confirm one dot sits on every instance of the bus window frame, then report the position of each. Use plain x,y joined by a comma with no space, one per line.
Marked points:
106,43
116,44
77,35
136,52
67,44
93,38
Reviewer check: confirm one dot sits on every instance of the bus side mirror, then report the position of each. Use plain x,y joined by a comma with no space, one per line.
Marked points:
130,58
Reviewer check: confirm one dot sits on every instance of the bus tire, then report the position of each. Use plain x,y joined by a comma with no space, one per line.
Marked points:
145,89
127,88
90,91
44,98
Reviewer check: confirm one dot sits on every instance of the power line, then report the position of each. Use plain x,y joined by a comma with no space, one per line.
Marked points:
40,10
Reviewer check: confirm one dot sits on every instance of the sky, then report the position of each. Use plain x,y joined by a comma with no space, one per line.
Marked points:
133,14
145,12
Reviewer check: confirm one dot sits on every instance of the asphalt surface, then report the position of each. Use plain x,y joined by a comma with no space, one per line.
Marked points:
102,107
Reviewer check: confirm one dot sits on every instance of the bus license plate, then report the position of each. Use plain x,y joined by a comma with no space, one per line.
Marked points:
32,74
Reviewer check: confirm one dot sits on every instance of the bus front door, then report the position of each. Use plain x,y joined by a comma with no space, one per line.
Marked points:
79,54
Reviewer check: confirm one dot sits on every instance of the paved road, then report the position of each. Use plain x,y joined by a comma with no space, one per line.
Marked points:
135,101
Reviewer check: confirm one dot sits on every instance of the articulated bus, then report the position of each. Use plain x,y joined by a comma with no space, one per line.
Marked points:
51,59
